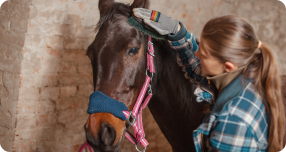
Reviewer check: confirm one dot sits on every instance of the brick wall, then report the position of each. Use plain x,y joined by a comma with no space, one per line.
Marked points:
13,26
45,77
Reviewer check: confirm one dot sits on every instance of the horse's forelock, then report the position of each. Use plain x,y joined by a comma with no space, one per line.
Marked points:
108,13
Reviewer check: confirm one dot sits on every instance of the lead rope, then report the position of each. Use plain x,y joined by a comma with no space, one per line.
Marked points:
84,146
134,117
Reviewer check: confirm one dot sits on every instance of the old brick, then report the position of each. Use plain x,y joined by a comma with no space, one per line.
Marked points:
28,107
76,121
55,42
87,32
68,67
12,37
45,145
1,77
66,116
85,68
73,43
26,121
19,10
75,56
31,133
11,82
71,103
8,106
30,54
52,53
46,106
85,90
36,106
74,79
5,6
48,80
14,52
87,43
49,93
4,133
3,92
36,40
24,145
5,22
6,120
21,1
68,91
46,120
31,67
18,24
29,94
50,67
10,65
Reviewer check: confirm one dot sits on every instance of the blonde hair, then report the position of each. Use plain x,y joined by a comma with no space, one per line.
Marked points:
231,38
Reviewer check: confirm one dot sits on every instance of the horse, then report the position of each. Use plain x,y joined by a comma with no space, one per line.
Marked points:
118,58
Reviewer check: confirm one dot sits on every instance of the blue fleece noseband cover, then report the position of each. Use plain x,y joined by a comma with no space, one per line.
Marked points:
99,102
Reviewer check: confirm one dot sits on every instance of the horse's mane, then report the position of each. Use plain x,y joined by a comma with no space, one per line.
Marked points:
108,13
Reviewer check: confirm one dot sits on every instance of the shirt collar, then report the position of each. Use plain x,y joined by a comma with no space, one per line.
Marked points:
231,91
222,80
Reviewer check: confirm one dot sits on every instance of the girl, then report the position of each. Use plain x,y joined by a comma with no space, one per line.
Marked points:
246,112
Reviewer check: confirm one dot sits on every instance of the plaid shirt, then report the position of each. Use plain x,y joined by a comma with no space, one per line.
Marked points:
237,121
185,49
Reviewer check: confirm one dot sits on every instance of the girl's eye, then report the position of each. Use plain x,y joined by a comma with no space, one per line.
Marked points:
133,51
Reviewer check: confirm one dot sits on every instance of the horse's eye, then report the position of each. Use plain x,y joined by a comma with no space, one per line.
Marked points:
133,51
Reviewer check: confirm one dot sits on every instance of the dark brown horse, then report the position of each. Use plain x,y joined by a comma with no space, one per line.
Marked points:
118,58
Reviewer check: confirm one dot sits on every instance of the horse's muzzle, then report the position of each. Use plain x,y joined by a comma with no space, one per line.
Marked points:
105,139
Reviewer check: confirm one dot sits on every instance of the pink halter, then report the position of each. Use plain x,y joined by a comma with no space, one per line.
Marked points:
134,117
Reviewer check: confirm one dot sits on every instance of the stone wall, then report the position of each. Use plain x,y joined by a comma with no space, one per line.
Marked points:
45,77
13,26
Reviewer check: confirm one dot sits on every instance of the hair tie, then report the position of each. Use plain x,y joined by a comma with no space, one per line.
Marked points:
259,44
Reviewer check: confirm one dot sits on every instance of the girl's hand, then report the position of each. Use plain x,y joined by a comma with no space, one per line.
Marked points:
161,23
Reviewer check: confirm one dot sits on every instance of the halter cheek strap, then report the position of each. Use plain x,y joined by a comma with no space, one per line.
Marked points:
134,117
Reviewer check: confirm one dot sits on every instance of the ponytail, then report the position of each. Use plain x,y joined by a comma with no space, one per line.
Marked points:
263,69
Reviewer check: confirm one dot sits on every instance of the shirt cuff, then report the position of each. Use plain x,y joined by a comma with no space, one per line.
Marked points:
179,35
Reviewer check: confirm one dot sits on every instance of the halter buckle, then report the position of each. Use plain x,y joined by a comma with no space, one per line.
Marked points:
133,119
150,89
148,75
149,49
136,145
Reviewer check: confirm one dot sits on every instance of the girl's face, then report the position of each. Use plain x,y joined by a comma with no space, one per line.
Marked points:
210,65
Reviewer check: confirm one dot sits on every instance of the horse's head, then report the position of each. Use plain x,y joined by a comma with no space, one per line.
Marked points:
118,62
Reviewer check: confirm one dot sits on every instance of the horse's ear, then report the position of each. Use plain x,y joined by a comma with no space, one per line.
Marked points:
104,4
140,4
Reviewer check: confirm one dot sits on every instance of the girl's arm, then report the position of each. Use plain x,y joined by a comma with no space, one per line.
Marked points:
185,46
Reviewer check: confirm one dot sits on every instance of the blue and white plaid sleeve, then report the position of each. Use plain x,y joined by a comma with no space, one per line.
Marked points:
231,134
185,49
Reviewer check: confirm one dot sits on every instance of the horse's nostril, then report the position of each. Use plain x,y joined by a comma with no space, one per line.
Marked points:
108,134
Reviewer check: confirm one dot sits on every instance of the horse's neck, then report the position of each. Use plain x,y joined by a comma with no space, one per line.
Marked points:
173,104
170,75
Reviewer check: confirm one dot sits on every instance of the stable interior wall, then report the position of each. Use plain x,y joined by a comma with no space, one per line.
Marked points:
14,17
46,78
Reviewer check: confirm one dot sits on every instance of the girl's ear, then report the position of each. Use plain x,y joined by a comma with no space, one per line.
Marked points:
229,67
140,4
